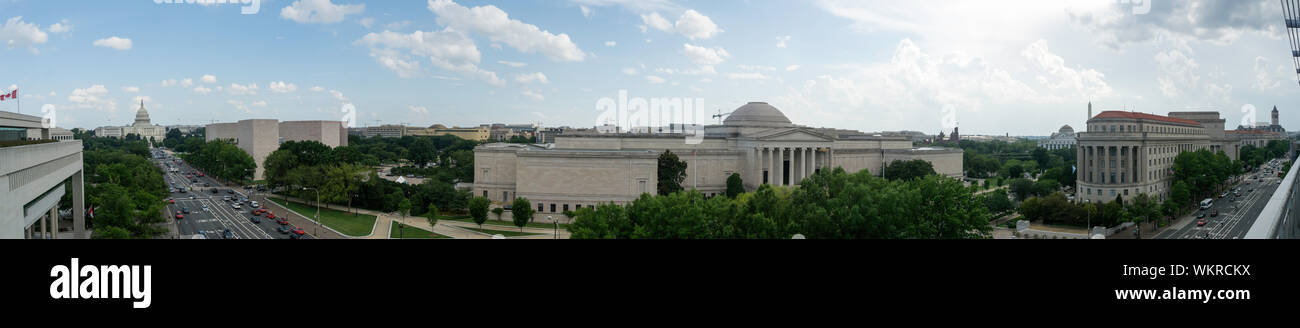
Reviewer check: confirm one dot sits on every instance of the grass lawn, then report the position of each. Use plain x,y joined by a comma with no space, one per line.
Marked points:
356,226
511,224
506,233
411,232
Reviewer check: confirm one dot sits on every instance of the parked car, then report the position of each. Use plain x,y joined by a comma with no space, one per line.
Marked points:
282,221
298,231
1200,223
255,219
171,201
235,206
186,210
227,234
283,229
180,216
230,191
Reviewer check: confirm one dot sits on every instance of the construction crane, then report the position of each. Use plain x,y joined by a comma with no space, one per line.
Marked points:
720,115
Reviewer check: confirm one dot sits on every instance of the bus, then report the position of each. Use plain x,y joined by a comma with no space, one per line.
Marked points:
1205,204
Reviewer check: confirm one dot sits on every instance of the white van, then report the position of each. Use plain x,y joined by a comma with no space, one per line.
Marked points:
1207,203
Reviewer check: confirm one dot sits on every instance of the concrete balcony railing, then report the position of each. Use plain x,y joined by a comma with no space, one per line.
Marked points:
16,158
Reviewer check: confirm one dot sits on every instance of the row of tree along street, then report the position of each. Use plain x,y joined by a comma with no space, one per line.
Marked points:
124,189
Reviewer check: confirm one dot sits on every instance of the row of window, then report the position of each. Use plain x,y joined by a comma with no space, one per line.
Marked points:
1134,128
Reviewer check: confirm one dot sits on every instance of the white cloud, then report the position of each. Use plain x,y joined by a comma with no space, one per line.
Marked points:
497,26
209,79
114,42
94,97
367,22
238,105
260,103
696,26
655,21
691,24
629,71
654,79
534,95
201,90
532,78
338,95
782,40
705,56
131,89
61,27
702,70
282,87
448,49
1181,22
240,90
317,89
1266,78
586,12
756,67
611,43
168,83
418,109
319,11
792,68
1179,72
1083,83
186,83
397,25
16,33
512,64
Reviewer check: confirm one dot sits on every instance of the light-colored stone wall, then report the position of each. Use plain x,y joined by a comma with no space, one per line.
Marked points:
584,178
329,133
495,170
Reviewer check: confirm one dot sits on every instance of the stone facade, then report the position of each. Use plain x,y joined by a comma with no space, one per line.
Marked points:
260,137
756,141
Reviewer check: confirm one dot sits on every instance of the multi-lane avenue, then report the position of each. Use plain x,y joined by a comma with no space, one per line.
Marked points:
225,214
1237,209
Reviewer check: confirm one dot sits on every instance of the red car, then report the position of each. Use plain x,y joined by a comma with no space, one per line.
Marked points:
299,231
1200,223
282,221
200,174
257,213
1248,183
270,215
171,201
179,216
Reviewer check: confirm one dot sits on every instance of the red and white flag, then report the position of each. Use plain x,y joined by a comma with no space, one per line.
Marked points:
91,211
9,96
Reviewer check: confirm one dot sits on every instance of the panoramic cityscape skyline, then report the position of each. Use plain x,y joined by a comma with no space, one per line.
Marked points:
871,66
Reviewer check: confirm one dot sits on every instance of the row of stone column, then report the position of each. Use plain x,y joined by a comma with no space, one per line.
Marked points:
1096,166
803,163
49,225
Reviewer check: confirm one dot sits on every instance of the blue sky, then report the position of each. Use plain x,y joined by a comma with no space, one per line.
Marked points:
992,67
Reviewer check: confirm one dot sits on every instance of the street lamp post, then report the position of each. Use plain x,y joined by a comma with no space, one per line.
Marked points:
318,222
557,226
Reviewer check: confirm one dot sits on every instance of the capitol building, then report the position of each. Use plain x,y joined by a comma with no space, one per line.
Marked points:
141,127
756,141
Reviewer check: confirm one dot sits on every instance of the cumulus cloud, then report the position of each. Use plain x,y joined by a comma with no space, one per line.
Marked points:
94,97
655,21
629,71
1216,22
186,83
418,109
210,79
240,90
16,33
705,56
692,25
792,68
532,78
282,87
512,64
61,27
534,95
203,91
610,43
131,89
782,40
497,26
114,43
654,79
448,49
319,11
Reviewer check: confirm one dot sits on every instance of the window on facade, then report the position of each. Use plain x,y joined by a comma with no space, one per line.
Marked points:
552,208
566,207
540,207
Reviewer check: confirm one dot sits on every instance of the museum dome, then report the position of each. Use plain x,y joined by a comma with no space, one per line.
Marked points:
757,113
142,115
1066,129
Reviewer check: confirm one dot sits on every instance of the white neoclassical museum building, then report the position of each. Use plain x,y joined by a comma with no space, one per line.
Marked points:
757,141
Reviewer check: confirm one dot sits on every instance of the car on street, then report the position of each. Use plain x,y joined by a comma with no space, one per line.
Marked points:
257,213
185,210
298,231
1201,216
180,216
295,236
255,219
1215,213
171,201
230,191
235,206
254,204
283,229
227,234
225,198
214,190
1200,223
282,221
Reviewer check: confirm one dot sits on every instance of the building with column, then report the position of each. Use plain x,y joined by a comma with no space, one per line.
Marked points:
1130,153
756,141
1062,139
141,127
259,138
35,172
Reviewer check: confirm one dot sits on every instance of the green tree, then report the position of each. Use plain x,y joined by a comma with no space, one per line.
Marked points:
522,210
672,171
908,170
735,186
498,211
1022,188
432,215
111,232
478,210
402,204
998,201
